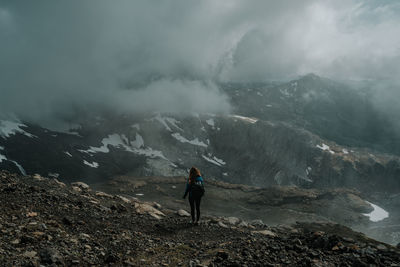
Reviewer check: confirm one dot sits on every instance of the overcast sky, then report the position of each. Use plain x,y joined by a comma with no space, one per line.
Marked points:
169,55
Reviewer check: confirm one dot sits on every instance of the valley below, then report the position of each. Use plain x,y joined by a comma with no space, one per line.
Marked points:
278,205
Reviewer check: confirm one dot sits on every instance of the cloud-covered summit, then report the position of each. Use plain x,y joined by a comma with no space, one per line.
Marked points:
58,57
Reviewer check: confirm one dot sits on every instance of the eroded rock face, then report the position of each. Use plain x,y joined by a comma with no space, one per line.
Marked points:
262,151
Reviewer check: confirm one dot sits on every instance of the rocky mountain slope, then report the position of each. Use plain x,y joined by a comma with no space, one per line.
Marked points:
349,115
311,133
231,148
45,222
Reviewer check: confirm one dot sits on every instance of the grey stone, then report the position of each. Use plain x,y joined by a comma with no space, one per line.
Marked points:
233,220
222,225
257,222
183,213
264,232
82,185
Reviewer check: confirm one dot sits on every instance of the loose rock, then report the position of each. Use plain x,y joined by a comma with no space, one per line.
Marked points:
264,232
221,224
81,185
233,220
91,229
183,213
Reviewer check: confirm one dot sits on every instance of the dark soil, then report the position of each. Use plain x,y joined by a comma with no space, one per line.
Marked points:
44,222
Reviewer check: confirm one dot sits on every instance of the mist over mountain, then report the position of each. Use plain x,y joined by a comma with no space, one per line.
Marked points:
59,59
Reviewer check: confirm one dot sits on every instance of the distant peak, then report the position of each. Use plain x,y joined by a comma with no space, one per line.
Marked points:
310,76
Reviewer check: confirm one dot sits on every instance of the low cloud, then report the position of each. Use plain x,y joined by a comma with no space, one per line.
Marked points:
164,95
57,58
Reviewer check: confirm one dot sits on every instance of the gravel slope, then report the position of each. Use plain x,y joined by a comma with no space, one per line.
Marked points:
45,222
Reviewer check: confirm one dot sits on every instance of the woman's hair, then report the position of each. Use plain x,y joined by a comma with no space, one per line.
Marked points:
193,174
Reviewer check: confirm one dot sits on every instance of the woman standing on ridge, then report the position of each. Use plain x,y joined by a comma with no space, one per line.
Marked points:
195,188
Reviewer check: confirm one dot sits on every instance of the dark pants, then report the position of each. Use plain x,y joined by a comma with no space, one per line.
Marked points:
195,200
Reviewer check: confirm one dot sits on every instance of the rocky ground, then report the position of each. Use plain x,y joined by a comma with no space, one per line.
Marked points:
274,205
45,222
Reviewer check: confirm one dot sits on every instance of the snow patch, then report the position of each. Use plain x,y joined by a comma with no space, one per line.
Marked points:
325,148
225,174
345,151
247,119
279,177
2,157
22,170
114,140
136,126
70,128
182,139
258,93
210,122
93,164
73,133
68,154
163,122
285,92
8,128
139,142
149,152
122,142
84,151
140,194
173,122
378,214
220,161
294,85
214,160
